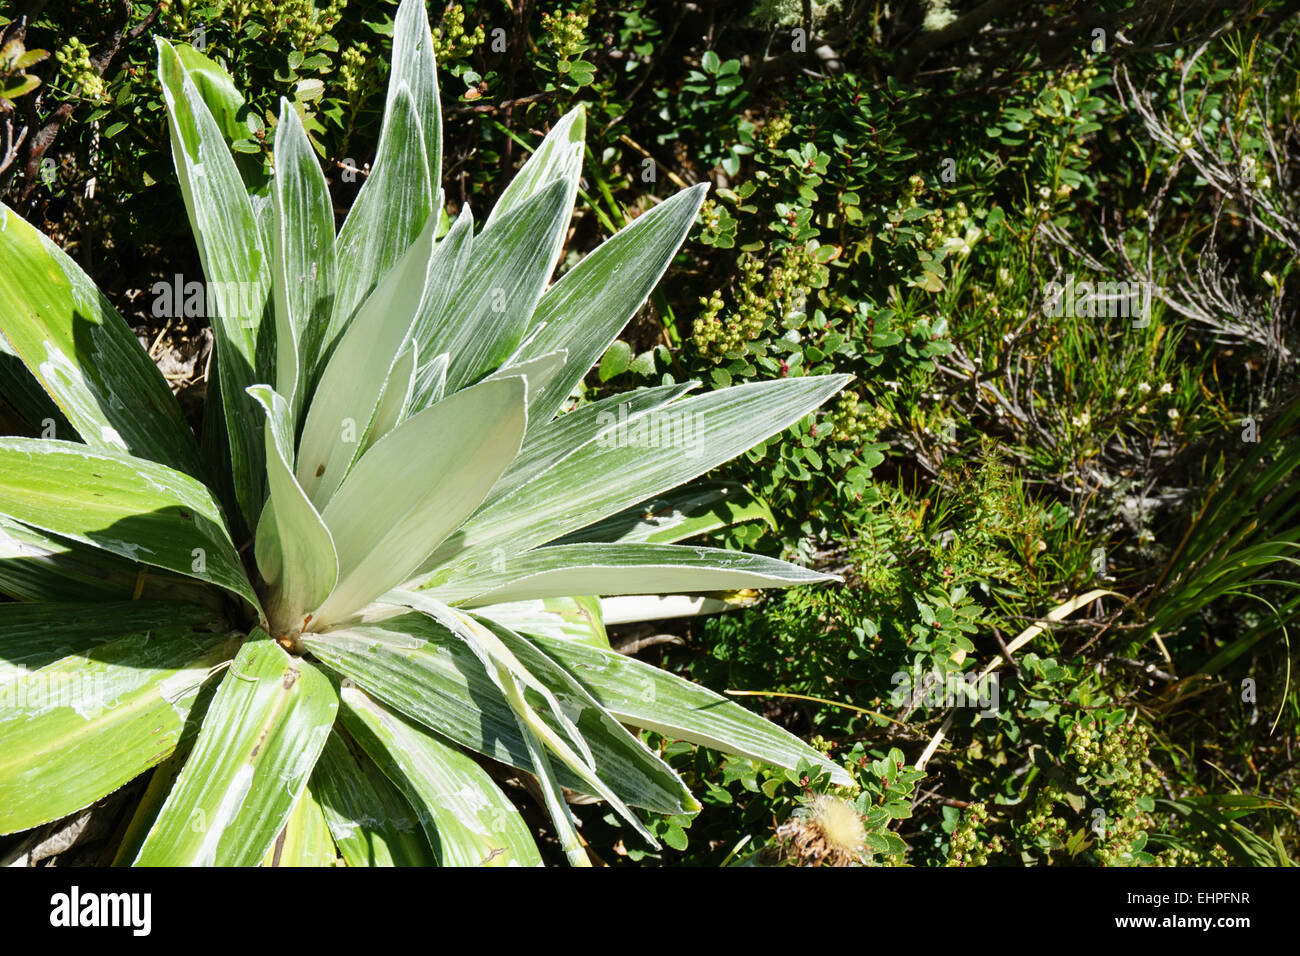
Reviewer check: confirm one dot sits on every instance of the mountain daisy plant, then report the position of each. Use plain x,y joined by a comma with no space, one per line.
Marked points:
375,594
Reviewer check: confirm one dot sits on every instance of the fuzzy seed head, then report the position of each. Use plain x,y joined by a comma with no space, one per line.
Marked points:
827,831
839,822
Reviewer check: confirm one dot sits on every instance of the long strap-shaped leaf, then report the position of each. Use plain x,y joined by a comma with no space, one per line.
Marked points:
546,447
495,647
630,463
76,726
304,264
683,513
372,822
412,663
129,506
468,820
566,618
535,372
38,566
306,839
236,264
294,549
559,156
591,714
347,399
647,697
389,213
22,393
566,827
413,65
591,303
415,487
450,259
397,394
33,636
499,662
489,313
607,569
83,354
260,739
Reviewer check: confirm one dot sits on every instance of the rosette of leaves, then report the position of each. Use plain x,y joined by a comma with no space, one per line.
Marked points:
373,590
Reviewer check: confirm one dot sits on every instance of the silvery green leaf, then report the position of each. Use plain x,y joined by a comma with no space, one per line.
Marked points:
413,66
217,88
606,569
592,717
558,157
92,697
236,265
467,819
397,394
535,372
390,212
429,385
344,404
305,839
683,513
653,699
36,565
451,257
131,507
591,303
629,463
415,486
372,822
303,265
22,392
566,618
83,354
253,757
294,550
413,664
546,447
490,310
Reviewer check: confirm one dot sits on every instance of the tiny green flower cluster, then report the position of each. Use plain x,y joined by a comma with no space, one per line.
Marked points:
942,226
967,846
353,68
718,226
566,33
717,336
945,225
450,41
761,296
774,130
1042,823
1115,756
1190,856
854,423
304,23
176,14
301,20
1073,82
74,62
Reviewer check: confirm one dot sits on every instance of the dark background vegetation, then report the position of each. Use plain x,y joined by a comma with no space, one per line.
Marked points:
895,186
